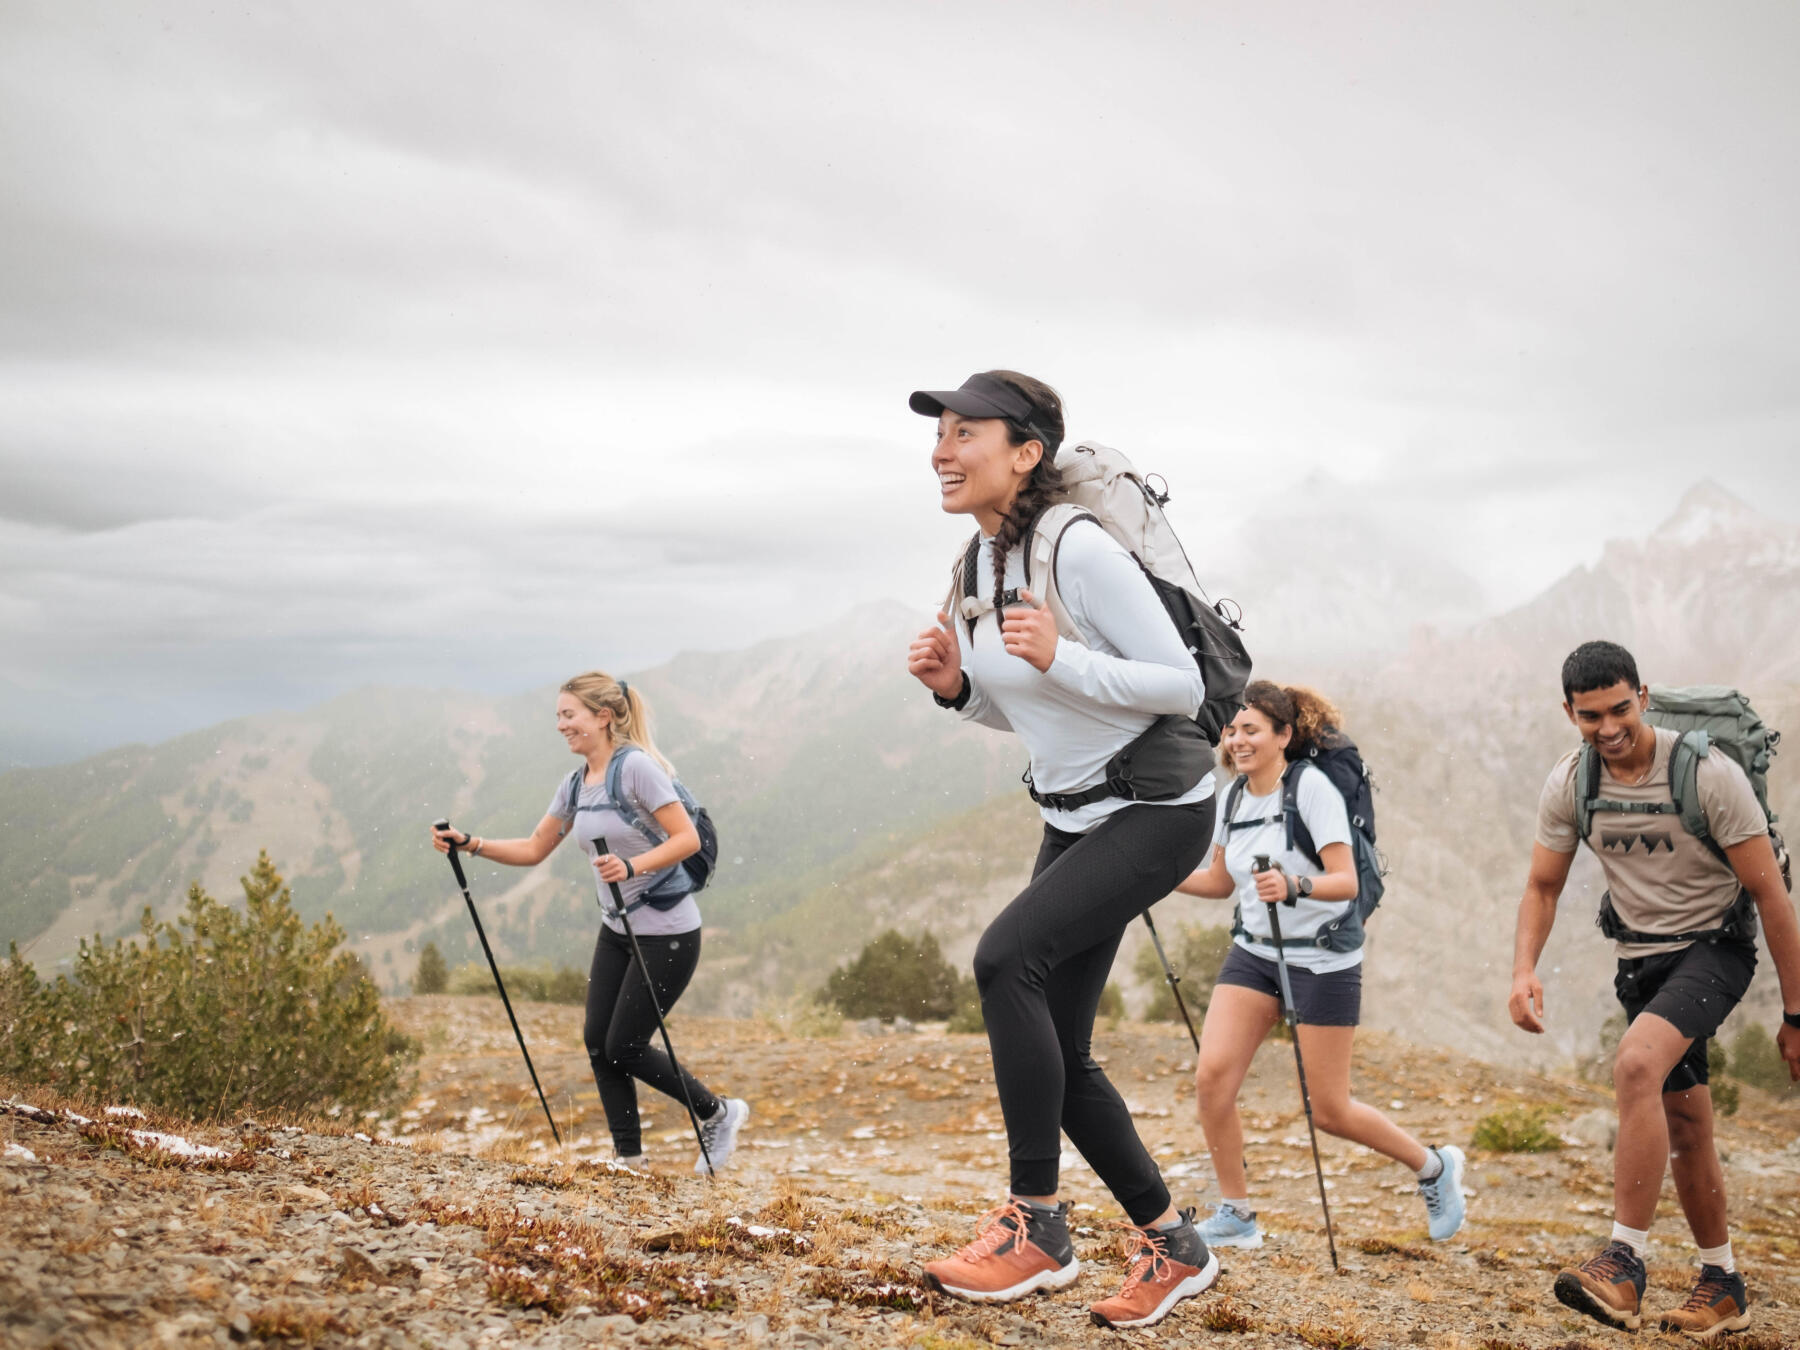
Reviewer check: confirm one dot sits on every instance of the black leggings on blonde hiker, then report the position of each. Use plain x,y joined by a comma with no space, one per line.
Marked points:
621,1026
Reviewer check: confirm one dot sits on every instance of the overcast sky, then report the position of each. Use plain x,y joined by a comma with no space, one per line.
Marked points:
467,344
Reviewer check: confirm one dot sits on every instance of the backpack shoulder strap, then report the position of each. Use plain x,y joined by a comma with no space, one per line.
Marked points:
1684,787
573,787
963,601
1587,789
1298,835
1233,795
630,810
1040,562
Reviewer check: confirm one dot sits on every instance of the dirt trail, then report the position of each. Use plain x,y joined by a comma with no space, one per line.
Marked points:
866,1155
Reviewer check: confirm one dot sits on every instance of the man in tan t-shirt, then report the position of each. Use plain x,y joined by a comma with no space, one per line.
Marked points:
1686,948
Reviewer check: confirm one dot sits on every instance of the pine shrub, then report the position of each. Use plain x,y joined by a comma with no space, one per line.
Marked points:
219,1012
1756,1060
432,975
1196,951
895,976
524,984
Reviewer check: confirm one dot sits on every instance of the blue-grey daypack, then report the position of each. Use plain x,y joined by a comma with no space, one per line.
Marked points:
686,877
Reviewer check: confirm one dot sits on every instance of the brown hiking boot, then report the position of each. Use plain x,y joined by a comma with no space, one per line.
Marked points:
1018,1249
1718,1304
1167,1266
1609,1288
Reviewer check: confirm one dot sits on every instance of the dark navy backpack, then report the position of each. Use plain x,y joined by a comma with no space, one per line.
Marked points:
1337,757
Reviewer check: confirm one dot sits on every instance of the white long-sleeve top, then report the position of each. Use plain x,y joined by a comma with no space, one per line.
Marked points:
1094,699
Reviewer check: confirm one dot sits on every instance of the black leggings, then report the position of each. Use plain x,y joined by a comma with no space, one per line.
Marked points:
621,1020
1041,967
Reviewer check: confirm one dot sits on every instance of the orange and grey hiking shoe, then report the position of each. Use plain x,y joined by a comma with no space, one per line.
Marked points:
1018,1249
1609,1288
1170,1264
1718,1304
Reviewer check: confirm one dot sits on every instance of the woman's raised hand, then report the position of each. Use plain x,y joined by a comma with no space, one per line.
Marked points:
1029,632
935,658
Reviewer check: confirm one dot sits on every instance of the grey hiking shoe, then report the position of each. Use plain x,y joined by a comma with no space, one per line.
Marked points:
720,1131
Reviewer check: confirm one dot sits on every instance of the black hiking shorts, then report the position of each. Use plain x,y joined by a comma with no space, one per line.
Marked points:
1333,999
1694,990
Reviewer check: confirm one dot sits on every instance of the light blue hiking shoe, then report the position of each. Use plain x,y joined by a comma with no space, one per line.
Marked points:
1444,1195
1229,1226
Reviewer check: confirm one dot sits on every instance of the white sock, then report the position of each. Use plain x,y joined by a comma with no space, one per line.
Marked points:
1720,1257
1434,1166
1638,1239
1241,1203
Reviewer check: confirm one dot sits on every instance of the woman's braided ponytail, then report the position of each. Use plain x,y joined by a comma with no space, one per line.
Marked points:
1044,485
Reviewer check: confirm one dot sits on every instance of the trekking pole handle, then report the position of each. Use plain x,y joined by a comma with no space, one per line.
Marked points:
443,823
1262,863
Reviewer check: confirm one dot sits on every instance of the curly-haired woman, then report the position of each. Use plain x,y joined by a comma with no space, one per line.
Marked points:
1272,739
648,835
1042,963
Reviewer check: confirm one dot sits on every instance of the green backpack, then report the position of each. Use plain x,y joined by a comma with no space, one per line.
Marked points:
1710,717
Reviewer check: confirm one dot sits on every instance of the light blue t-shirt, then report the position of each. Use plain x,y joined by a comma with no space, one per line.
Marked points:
650,789
1328,821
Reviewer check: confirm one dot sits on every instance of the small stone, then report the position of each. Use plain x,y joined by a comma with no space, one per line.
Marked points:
869,1026
1593,1129
616,1325
240,1327
757,1327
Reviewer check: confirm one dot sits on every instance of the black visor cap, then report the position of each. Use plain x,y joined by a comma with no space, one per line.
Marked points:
980,396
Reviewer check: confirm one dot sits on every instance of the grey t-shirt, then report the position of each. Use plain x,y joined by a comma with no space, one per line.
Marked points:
650,789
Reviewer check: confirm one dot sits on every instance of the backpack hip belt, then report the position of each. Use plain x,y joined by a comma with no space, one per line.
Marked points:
1166,760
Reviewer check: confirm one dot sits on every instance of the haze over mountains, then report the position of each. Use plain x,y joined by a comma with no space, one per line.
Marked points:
847,802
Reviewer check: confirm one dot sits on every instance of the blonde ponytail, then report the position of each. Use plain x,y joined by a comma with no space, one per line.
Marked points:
630,710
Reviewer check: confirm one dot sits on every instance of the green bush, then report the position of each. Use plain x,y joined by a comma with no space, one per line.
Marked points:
216,1013
432,975
1516,1129
1756,1060
1196,951
1112,1003
895,976
966,1016
1725,1095
524,984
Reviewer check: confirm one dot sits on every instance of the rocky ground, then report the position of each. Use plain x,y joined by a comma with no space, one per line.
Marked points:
458,1223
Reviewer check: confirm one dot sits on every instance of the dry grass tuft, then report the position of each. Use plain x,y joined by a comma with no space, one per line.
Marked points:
1380,1246
1225,1315
565,1176
307,1323
889,1288
1331,1336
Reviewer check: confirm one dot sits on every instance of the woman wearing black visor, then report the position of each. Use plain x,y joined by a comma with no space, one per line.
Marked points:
1041,965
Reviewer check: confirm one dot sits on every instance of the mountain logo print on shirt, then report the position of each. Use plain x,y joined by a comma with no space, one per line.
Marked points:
1624,839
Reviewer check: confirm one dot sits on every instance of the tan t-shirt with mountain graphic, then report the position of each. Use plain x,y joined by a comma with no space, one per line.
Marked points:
1662,879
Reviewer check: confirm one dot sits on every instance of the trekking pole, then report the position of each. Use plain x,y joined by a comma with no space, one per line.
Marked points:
463,882
1292,1019
687,1097
1174,981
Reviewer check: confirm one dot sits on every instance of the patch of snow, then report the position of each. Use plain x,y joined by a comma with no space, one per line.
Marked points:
176,1146
19,1153
124,1113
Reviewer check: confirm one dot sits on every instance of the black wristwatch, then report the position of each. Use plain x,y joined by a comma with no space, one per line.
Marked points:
1789,1019
630,871
961,700
1304,885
